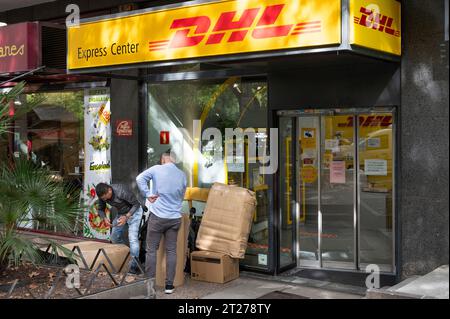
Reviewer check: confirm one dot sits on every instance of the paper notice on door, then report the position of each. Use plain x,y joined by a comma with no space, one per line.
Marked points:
262,259
375,167
374,142
332,145
337,172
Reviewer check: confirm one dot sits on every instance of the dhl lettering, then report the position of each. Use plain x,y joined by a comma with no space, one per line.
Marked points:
192,31
376,21
181,38
226,23
371,120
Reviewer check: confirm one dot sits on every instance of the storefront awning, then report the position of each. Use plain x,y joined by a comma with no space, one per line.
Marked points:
220,31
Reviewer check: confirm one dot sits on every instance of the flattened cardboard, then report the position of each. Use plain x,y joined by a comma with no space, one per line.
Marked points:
227,220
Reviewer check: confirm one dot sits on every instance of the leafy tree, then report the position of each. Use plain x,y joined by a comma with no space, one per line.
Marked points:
71,101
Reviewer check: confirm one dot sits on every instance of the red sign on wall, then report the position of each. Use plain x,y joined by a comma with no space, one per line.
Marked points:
19,47
124,128
164,137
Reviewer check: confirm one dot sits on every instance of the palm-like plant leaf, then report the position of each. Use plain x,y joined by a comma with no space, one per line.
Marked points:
14,248
28,193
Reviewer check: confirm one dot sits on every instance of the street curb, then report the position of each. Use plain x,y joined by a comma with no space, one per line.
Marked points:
134,290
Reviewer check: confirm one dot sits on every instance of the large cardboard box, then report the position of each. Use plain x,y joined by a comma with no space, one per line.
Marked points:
117,254
213,267
182,255
227,220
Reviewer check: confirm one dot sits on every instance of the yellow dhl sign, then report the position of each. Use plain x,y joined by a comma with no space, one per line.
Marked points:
376,24
203,30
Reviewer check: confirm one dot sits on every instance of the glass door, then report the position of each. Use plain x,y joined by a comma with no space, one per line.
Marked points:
287,200
337,196
308,161
336,184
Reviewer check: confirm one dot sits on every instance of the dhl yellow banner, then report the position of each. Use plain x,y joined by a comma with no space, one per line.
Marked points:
376,24
202,30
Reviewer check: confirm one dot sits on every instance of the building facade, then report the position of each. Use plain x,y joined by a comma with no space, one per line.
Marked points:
362,129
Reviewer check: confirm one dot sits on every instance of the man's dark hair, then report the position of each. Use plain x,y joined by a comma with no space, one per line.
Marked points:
169,154
101,189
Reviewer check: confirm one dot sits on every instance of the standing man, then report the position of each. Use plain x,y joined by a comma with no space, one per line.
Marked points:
167,195
126,210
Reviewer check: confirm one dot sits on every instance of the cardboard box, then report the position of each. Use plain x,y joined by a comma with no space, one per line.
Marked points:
227,220
116,253
182,255
213,267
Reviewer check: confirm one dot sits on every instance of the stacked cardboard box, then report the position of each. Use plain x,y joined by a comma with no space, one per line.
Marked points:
223,233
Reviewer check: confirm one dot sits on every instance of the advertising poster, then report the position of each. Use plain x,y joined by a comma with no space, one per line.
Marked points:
97,140
308,138
309,174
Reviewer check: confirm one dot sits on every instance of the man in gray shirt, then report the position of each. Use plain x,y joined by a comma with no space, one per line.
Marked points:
166,197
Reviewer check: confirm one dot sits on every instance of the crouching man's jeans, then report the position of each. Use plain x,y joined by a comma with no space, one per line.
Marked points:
117,234
156,228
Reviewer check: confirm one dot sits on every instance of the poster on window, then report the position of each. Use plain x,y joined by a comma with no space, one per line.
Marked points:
337,172
97,145
308,138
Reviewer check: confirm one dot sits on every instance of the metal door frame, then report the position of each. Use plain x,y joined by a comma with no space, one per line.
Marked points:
355,112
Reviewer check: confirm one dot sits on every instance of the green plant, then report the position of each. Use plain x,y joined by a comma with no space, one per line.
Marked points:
29,194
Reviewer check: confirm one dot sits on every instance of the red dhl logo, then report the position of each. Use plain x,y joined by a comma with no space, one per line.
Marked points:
371,120
376,21
237,28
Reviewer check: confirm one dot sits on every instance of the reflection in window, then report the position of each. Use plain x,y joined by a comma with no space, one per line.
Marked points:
52,136
232,103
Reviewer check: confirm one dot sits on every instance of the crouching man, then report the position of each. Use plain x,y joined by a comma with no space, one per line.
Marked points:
127,212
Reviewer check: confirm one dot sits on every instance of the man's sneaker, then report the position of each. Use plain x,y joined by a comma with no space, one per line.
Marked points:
169,289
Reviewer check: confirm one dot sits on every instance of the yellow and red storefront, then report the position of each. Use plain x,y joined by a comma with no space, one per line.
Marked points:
324,74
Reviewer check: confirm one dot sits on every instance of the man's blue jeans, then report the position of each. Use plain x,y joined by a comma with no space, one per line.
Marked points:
117,234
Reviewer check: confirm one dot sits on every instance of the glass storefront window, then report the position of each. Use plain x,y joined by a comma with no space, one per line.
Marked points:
375,189
52,136
174,111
